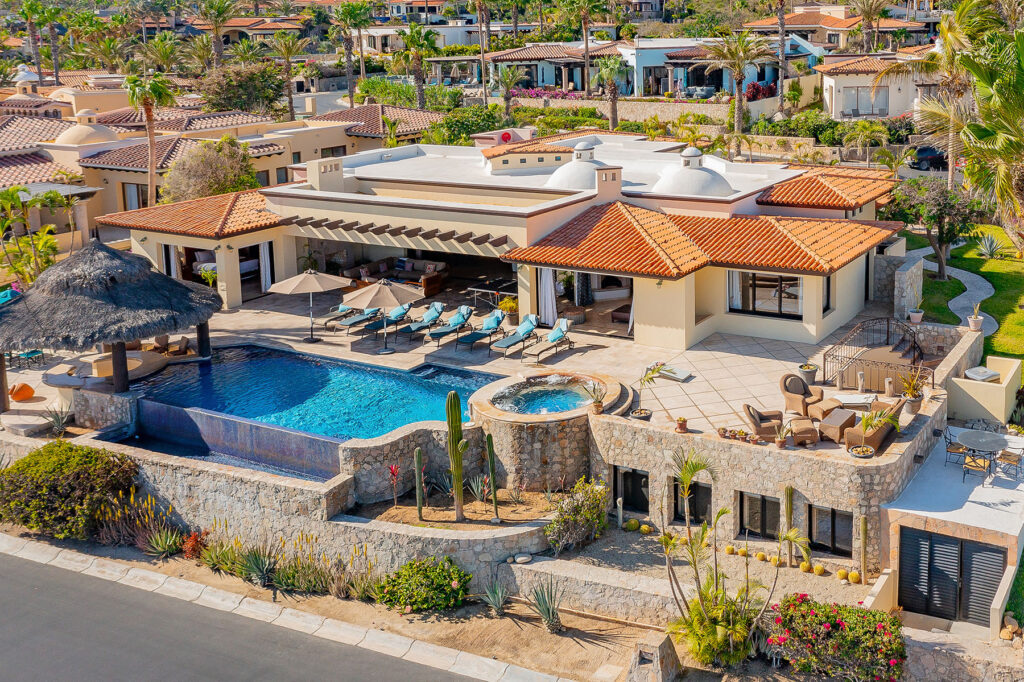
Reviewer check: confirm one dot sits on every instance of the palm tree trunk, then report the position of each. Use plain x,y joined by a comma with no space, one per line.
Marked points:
348,69
218,48
362,56
483,62
613,98
515,19
417,74
288,88
950,161
507,96
255,8
540,11
586,55
37,57
780,15
52,29
147,110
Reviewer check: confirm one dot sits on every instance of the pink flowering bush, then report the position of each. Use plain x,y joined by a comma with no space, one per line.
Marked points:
425,585
834,640
541,93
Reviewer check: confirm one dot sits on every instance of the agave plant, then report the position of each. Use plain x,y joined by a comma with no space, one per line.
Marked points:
257,564
495,596
990,247
220,557
57,417
164,542
479,487
546,600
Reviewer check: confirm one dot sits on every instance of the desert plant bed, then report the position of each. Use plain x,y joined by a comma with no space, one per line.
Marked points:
440,513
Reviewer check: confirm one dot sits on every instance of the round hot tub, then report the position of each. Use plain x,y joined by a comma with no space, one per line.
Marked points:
547,394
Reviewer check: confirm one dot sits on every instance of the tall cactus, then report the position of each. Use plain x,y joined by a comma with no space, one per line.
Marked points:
456,449
490,472
788,502
417,459
864,549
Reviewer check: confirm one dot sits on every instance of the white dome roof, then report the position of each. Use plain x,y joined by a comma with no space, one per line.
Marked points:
23,74
580,173
83,133
692,178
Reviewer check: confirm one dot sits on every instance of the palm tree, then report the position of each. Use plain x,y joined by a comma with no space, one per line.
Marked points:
285,8
420,43
611,70
29,12
51,16
865,134
346,17
478,6
870,12
390,131
738,52
247,51
584,11
217,13
895,160
288,45
147,94
780,17
107,52
508,79
163,52
199,53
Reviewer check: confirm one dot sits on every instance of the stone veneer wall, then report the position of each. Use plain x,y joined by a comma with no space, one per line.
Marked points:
908,283
934,656
539,455
962,347
884,279
98,409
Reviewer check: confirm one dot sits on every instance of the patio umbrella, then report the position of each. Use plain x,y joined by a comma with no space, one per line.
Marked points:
102,295
384,294
310,282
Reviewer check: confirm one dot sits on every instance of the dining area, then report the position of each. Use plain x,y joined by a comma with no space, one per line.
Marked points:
984,453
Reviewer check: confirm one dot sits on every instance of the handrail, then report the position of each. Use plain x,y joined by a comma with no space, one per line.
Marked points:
874,333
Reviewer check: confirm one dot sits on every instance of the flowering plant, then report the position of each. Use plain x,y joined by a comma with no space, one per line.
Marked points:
541,93
835,640
393,476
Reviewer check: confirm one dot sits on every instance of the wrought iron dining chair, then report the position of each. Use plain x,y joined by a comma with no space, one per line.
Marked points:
974,465
1009,459
955,452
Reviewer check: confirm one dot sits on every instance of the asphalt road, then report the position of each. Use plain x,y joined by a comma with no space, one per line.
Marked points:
59,625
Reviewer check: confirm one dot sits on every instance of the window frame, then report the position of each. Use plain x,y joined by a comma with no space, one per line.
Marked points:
763,501
753,286
696,518
282,175
831,547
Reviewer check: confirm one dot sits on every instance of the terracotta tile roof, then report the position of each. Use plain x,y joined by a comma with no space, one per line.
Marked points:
222,215
277,26
606,50
370,118
79,79
19,101
236,22
530,53
917,49
624,238
525,147
692,52
136,156
25,132
851,66
20,169
820,190
128,116
815,19
193,121
11,41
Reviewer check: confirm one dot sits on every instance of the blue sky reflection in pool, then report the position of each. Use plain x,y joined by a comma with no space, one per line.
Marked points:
309,393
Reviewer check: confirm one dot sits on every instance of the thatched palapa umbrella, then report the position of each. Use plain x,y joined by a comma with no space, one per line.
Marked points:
102,295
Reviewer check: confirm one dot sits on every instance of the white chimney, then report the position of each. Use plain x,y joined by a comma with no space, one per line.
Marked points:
326,175
609,183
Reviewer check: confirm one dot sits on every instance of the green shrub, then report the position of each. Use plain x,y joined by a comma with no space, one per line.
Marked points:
835,640
425,585
220,557
59,489
579,517
164,543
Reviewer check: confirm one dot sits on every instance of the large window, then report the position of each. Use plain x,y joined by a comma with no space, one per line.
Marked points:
263,177
282,174
865,100
759,515
135,195
830,530
757,293
330,152
699,503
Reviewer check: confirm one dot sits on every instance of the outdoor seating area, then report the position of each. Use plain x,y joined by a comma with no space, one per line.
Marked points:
981,453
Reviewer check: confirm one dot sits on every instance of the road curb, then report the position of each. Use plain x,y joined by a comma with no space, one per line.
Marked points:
380,641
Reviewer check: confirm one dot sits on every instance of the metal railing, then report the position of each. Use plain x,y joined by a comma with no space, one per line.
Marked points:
844,359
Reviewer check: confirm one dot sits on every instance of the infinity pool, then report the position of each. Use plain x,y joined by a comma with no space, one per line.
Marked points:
309,393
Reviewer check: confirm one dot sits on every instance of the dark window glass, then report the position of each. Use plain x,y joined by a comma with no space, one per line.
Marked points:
263,177
757,293
282,175
296,157
830,530
699,503
759,515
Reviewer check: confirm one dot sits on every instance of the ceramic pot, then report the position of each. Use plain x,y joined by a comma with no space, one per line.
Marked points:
916,315
974,323
808,375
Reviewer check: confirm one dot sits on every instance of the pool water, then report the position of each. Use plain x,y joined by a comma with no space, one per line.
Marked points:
310,393
543,395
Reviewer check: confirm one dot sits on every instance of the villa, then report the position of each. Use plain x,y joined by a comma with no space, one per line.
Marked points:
832,25
849,89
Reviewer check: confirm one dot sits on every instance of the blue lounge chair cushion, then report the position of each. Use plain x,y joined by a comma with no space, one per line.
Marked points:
399,312
558,333
433,314
493,321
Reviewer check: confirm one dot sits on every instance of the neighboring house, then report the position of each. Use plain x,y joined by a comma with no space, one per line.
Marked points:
26,101
642,9
254,28
849,90
830,25
411,11
385,38
368,130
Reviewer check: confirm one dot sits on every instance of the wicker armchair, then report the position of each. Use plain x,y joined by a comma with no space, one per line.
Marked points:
875,437
798,394
761,423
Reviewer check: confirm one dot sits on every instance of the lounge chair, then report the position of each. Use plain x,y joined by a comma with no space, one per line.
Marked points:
452,325
393,318
349,322
180,349
523,333
674,373
30,356
335,313
428,320
557,338
763,424
490,327
161,343
798,394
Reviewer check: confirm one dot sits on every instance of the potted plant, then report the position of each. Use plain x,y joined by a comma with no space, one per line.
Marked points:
510,306
723,432
808,372
646,379
913,390
782,431
974,321
596,392
732,434
753,439
868,422
916,313
741,435
681,425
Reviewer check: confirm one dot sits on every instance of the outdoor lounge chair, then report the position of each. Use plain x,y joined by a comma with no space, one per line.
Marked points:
428,320
335,313
452,325
522,334
180,349
877,436
557,338
392,319
490,327
349,322
161,343
798,394
762,424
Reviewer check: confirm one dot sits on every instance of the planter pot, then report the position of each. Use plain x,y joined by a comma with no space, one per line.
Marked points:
681,427
780,443
596,407
642,413
916,315
723,433
862,451
912,406
808,375
513,318
974,323
753,440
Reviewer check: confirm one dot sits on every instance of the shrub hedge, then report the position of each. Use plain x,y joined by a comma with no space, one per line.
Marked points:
424,585
58,489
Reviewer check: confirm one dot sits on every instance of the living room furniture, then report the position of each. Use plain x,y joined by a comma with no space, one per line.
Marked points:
856,401
821,410
876,436
835,423
621,314
803,430
763,424
427,273
798,395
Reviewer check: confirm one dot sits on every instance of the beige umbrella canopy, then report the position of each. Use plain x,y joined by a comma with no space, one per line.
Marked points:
310,282
384,294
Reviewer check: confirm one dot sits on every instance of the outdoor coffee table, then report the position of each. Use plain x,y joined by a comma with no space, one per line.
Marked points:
835,424
855,401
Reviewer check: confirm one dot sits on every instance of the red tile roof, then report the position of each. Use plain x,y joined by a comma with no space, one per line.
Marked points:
369,116
136,156
917,49
545,143
222,215
25,132
692,52
193,121
820,190
19,101
609,49
128,116
628,239
815,19
20,169
852,66
843,171
530,53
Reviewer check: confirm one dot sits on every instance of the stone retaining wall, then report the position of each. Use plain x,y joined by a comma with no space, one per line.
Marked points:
908,282
98,409
884,279
933,656
540,455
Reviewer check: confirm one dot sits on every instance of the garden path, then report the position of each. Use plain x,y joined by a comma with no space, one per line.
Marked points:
977,289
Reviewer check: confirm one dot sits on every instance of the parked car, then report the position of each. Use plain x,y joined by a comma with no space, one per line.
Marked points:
929,158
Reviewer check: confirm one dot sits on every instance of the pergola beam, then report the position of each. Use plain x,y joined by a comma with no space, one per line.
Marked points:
429,234
447,236
481,239
364,228
380,229
499,241
395,231
413,231
463,238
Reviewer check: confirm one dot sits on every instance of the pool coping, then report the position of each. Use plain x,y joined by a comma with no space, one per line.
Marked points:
482,407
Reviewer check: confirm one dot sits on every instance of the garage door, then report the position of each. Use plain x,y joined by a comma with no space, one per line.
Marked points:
948,578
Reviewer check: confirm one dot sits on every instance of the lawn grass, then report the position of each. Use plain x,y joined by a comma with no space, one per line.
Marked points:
914,240
937,296
1016,603
1007,277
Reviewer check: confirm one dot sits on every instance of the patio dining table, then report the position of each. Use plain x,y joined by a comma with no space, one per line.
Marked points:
493,290
982,441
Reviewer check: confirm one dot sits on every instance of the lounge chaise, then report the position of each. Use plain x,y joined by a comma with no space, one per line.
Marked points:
428,320
490,327
335,313
523,333
557,338
392,319
350,322
452,325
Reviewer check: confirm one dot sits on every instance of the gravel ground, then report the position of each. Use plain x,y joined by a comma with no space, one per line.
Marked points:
636,553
